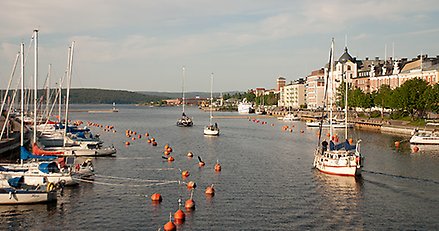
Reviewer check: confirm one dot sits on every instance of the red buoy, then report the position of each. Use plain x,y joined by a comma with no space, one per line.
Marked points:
154,143
210,191
217,167
191,185
185,173
179,215
170,159
397,143
189,204
127,143
170,226
149,141
156,197
415,149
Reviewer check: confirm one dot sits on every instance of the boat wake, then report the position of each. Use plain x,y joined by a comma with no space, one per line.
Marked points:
402,177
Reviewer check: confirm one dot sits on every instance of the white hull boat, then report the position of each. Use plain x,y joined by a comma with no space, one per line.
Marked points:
290,117
425,137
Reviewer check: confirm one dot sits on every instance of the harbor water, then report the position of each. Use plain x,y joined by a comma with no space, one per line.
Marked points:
267,181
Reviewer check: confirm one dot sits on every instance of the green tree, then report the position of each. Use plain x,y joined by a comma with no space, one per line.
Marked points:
431,98
409,98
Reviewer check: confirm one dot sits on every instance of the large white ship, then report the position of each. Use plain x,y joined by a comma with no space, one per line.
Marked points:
245,107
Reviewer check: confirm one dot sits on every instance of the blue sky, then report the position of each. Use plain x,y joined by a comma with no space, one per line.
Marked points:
143,44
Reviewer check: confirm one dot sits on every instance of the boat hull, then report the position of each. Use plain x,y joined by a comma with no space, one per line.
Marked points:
211,132
11,196
331,163
425,138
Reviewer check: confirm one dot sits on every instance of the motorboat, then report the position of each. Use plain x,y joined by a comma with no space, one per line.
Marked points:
290,117
425,137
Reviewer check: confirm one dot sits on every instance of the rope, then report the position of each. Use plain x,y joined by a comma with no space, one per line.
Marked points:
130,185
133,179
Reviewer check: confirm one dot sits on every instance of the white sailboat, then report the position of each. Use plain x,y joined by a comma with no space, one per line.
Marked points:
338,159
184,121
211,129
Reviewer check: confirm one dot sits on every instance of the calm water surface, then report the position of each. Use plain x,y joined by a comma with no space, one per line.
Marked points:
266,182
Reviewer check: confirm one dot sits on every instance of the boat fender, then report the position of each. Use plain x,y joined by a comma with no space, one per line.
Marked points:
50,186
357,160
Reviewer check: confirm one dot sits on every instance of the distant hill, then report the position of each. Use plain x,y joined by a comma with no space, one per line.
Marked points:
174,95
101,96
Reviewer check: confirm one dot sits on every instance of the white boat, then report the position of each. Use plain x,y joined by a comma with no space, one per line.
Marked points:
326,124
290,117
342,159
184,121
211,129
245,107
425,137
24,194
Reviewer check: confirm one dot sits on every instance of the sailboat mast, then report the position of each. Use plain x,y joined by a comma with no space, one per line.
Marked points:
346,106
22,96
211,97
182,85
332,89
35,84
69,80
48,91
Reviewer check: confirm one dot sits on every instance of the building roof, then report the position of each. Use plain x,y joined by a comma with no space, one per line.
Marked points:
346,56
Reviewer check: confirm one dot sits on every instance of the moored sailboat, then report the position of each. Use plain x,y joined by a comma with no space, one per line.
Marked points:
211,129
184,121
344,158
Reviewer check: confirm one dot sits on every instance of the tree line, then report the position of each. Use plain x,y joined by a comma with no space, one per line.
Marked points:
414,98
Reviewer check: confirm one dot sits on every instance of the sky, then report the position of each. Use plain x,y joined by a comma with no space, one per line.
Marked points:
143,45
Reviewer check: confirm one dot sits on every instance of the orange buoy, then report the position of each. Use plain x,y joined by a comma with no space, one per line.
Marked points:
350,141
210,190
415,149
170,226
152,139
156,197
185,173
139,136
200,162
170,159
166,153
217,167
166,146
169,149
302,131
134,138
179,215
328,134
146,134
397,143
189,204
154,143
190,154
191,185
149,141
127,143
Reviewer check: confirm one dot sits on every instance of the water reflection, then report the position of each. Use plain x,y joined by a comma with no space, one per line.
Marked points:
341,199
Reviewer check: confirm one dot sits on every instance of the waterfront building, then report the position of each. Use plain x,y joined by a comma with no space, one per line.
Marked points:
292,95
315,89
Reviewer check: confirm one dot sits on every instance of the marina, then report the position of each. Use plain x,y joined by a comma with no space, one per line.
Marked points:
266,180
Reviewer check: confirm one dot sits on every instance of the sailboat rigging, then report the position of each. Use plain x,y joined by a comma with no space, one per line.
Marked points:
184,121
338,159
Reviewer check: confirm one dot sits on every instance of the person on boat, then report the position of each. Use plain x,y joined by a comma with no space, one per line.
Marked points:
184,115
324,145
216,125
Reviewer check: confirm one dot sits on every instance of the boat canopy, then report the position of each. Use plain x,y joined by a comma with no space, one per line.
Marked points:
25,155
51,167
16,182
345,145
